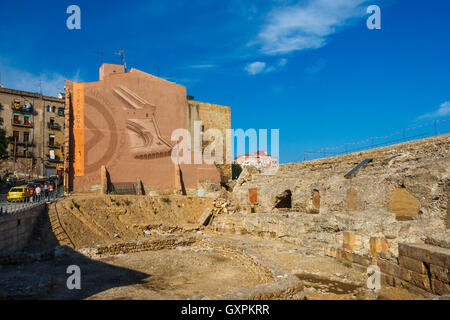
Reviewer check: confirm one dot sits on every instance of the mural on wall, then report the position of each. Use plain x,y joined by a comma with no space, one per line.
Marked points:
144,135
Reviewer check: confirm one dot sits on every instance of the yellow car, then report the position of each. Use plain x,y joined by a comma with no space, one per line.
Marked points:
18,194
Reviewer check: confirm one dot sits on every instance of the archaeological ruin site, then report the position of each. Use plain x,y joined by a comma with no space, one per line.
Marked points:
362,226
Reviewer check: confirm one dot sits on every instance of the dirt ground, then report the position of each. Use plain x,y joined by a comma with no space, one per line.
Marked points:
191,272
213,265
92,220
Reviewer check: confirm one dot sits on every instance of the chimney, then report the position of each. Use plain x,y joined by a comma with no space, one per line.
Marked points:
109,68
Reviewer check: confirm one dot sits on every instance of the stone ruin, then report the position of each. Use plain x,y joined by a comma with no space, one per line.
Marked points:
374,207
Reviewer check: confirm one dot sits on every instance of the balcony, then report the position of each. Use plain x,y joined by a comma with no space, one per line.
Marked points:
23,142
54,126
56,159
23,109
54,145
23,124
29,155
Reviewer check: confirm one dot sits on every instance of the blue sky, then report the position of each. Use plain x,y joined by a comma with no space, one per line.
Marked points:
311,69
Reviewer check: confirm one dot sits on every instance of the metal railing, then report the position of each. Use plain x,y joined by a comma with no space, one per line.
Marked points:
434,128
24,204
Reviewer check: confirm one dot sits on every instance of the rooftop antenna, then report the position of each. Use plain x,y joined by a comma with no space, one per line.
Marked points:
121,53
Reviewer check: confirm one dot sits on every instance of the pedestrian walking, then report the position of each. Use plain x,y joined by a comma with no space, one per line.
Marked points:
37,192
46,191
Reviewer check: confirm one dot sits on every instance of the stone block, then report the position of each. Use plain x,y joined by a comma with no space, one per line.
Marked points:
419,280
378,245
388,280
352,196
426,253
389,268
205,217
440,273
362,260
351,241
440,288
412,264
403,204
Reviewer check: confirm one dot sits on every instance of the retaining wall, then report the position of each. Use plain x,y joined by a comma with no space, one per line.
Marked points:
16,230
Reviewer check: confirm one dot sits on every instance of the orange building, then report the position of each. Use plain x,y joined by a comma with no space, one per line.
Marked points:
124,122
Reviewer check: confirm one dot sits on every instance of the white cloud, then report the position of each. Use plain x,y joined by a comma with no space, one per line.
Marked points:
262,67
255,67
52,83
203,66
300,27
442,111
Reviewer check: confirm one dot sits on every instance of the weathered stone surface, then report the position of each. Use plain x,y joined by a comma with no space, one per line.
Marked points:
420,280
403,204
439,287
439,239
378,245
426,253
412,264
351,241
447,220
253,195
422,168
316,200
352,196
205,218
440,273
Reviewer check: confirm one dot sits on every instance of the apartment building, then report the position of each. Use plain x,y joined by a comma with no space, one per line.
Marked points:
36,124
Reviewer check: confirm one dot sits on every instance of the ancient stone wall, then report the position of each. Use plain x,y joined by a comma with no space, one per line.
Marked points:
409,181
401,197
16,230
212,116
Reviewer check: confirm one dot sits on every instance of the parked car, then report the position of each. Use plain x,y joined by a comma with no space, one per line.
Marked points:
18,194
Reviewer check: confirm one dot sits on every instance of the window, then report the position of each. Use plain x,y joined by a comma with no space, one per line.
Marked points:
16,119
52,121
26,137
60,111
53,109
16,135
26,120
51,139
48,108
